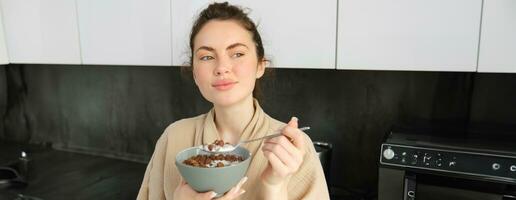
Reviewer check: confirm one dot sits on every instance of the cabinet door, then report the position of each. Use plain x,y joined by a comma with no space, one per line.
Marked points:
4,58
437,35
41,31
498,38
295,33
125,32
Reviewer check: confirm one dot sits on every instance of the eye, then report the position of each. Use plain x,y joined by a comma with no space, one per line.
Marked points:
236,55
205,58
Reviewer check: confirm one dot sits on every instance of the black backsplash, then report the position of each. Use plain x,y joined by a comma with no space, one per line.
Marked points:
494,100
120,111
3,100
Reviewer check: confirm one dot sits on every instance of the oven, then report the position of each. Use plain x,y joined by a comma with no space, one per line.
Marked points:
424,168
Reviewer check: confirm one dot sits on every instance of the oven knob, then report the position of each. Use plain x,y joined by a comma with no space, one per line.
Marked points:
513,168
388,154
496,166
426,158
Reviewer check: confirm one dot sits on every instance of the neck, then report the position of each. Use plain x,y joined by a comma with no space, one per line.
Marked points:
232,120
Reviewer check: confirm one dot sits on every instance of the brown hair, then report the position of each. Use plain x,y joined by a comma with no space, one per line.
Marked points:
225,11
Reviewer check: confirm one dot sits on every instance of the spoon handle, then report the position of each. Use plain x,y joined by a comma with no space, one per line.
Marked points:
278,133
262,138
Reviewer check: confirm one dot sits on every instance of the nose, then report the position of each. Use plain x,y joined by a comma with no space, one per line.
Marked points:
221,71
222,68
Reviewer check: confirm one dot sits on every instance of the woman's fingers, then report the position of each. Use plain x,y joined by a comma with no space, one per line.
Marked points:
241,182
238,187
205,196
291,159
295,135
282,141
288,149
235,191
293,122
184,191
285,153
277,165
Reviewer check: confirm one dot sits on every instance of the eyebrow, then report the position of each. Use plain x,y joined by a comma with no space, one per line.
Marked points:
229,47
205,48
236,45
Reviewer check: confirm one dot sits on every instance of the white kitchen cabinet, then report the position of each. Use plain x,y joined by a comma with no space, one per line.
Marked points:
498,37
41,31
4,57
437,35
295,33
125,32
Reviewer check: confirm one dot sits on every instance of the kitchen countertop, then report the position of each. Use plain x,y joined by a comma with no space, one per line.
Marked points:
55,174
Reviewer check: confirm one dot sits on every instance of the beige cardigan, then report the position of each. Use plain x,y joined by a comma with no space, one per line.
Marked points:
162,177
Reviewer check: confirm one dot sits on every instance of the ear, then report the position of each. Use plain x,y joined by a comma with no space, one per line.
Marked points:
261,68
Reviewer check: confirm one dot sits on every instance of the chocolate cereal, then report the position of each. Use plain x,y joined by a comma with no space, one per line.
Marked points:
213,160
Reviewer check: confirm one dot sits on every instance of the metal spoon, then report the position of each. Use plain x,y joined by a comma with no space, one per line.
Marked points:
228,147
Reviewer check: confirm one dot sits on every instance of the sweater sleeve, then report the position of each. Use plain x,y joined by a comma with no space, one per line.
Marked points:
143,193
309,182
152,179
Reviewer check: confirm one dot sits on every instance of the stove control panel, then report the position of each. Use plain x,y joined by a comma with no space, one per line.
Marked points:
501,167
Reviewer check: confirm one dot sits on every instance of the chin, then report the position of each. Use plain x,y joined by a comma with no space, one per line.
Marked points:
225,101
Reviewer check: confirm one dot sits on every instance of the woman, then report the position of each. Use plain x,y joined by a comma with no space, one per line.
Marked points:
227,58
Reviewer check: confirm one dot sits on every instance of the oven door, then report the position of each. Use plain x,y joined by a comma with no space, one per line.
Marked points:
409,185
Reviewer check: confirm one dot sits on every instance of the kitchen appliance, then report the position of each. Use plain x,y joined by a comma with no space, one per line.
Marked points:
437,166
324,151
14,173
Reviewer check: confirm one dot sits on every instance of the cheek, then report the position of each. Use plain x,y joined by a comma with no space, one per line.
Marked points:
201,75
246,69
247,73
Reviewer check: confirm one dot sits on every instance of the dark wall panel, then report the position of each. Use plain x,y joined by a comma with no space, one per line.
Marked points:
108,110
355,109
3,99
494,104
121,111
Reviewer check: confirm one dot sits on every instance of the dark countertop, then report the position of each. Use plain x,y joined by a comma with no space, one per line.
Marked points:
57,174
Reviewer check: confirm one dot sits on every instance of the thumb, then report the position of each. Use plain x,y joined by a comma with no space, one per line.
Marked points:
206,195
293,122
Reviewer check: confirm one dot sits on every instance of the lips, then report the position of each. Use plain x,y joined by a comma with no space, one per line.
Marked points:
224,84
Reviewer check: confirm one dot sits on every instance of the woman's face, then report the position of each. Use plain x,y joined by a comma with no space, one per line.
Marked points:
225,63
